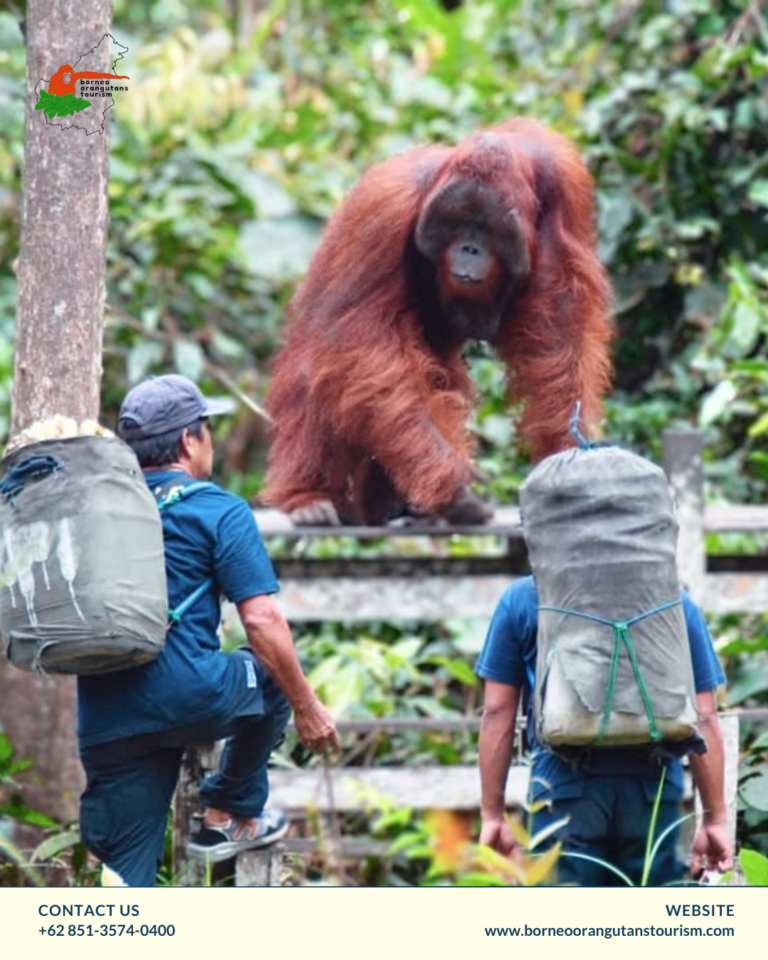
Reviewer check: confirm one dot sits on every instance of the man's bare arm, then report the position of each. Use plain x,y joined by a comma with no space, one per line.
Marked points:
712,844
269,636
497,736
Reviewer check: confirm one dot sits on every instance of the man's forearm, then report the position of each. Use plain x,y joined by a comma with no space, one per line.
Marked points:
708,770
497,734
269,637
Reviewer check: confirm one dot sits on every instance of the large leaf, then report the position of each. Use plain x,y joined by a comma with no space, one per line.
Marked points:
141,357
753,680
188,358
755,791
717,402
279,249
53,846
758,193
755,867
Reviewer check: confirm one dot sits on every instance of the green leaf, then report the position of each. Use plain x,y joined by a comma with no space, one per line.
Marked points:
459,669
747,684
716,402
745,325
755,867
53,846
761,743
279,249
760,426
188,358
758,193
755,791
141,357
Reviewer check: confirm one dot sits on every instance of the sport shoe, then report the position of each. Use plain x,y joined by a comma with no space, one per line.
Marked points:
219,843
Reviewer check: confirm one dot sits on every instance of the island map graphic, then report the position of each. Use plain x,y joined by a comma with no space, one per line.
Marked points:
78,95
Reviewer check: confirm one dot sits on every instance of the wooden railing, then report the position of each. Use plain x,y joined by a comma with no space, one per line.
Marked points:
424,582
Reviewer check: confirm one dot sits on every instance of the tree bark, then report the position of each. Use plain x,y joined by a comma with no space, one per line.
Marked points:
61,279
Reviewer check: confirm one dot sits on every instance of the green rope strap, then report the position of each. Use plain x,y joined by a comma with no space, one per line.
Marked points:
622,637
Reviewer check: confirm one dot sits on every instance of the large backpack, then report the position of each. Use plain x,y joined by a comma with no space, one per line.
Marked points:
613,660
82,568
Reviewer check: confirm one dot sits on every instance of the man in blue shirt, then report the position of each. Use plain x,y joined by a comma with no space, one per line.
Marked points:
133,725
608,795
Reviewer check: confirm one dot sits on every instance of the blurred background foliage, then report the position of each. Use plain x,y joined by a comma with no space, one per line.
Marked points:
246,123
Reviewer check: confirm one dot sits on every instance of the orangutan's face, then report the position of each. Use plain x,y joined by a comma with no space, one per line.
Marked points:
67,78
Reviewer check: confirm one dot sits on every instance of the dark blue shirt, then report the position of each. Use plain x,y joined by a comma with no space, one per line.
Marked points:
509,656
211,534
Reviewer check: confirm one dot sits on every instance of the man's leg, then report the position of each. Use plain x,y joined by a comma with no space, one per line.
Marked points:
240,785
124,809
587,833
633,822
236,794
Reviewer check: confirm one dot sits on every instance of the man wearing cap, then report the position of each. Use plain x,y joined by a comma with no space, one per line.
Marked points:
133,726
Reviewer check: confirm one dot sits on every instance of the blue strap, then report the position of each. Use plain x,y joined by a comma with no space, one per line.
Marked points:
177,493
175,615
174,496
574,427
614,623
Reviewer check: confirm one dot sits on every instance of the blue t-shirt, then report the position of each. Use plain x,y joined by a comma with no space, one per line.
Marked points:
509,656
211,534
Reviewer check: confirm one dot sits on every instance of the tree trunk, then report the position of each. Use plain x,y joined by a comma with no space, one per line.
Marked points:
61,278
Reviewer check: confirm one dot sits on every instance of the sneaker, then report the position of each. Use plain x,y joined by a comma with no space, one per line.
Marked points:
219,843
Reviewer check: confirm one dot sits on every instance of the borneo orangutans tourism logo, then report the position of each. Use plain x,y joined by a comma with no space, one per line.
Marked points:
79,95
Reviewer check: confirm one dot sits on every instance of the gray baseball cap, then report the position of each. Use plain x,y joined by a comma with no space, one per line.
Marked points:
165,403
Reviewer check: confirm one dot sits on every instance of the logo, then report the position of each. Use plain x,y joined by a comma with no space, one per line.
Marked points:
79,96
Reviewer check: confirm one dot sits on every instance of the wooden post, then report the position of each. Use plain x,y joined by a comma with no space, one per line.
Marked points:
260,868
187,871
683,465
57,368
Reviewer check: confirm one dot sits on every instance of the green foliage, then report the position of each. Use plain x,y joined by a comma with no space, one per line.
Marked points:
381,671
60,106
12,803
755,868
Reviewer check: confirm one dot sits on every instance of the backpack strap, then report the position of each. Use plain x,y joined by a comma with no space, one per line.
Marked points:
167,497
622,637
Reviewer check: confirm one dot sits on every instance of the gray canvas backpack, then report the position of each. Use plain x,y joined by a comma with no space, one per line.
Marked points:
613,661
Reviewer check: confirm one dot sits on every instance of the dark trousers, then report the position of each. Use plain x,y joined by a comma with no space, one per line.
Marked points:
130,782
609,819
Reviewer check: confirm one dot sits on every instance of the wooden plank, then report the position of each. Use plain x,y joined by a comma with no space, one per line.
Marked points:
274,523
395,725
394,598
734,593
735,519
440,598
354,789
718,518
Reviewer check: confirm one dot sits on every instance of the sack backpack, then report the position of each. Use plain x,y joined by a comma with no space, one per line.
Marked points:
82,568
613,662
